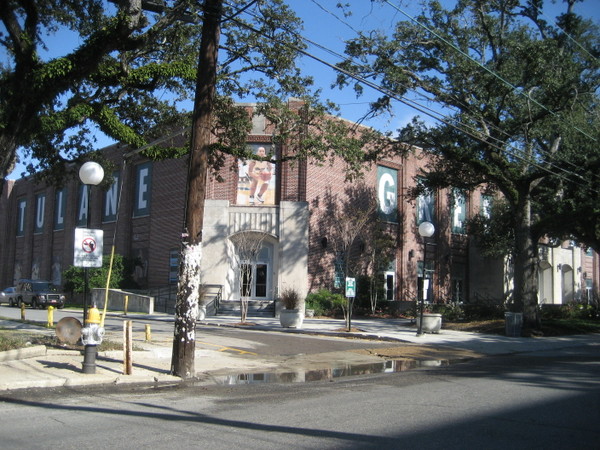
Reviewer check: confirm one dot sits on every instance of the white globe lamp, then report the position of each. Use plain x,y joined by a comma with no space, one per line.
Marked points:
91,173
426,229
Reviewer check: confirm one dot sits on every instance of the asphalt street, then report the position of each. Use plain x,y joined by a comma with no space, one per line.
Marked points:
539,400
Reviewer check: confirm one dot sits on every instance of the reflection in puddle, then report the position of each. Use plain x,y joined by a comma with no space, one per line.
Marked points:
306,375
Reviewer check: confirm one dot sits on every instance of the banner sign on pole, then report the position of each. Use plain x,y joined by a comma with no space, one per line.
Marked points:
350,287
88,247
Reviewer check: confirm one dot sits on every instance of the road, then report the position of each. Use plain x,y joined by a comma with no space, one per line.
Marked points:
234,340
545,400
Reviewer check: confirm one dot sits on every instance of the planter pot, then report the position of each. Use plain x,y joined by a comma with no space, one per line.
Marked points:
201,312
309,313
432,322
291,318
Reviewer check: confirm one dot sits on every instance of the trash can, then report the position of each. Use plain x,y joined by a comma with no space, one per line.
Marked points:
514,323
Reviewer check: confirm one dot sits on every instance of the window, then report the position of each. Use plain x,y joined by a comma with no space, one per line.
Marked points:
173,266
338,267
389,285
486,206
459,211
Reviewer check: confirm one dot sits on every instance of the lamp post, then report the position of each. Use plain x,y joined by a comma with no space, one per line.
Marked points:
426,230
91,174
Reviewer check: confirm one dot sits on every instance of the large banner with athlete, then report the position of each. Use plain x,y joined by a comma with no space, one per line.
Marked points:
256,178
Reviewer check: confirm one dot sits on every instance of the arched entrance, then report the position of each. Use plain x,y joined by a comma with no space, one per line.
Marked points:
253,265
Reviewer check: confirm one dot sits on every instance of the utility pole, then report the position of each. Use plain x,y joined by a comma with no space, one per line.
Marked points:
183,361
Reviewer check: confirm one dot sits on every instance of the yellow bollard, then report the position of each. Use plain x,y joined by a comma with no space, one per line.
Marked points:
126,304
22,311
50,323
148,333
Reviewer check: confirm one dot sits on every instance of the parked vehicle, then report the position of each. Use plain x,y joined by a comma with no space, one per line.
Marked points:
38,294
8,296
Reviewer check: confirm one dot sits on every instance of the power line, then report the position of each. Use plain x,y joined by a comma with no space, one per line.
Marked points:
520,91
415,105
571,38
475,118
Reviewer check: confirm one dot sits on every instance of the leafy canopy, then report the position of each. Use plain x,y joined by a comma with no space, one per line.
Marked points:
130,74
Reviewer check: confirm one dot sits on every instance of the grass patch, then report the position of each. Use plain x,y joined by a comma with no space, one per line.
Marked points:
550,327
11,340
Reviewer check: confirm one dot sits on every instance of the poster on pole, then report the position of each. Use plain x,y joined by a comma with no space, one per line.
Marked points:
350,287
88,247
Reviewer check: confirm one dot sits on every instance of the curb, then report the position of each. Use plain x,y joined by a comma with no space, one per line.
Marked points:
23,353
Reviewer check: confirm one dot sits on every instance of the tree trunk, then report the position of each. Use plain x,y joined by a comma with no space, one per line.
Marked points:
525,266
182,362
8,157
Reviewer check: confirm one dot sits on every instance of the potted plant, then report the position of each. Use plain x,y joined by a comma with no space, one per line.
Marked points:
291,316
432,321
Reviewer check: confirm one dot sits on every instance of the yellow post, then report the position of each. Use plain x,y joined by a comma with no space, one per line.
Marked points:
127,347
126,304
22,311
50,317
148,333
110,266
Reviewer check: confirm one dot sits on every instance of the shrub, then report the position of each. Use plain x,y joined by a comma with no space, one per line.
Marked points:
290,298
571,310
324,302
121,275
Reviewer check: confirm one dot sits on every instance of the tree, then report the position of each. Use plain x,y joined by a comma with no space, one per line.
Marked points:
121,275
380,248
128,78
117,81
515,91
348,224
247,249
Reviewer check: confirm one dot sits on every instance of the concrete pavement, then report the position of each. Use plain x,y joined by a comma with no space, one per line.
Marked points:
41,367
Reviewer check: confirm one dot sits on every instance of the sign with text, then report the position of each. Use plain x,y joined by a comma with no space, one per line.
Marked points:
88,247
350,287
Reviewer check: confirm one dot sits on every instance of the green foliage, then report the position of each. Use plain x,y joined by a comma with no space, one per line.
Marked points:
522,108
572,310
324,302
131,73
494,234
121,276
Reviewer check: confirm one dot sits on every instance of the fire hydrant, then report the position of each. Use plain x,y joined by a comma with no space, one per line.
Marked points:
91,336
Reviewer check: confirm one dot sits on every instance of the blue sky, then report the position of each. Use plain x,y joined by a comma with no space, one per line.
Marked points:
325,24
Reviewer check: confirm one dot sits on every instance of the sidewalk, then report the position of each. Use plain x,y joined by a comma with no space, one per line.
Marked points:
38,367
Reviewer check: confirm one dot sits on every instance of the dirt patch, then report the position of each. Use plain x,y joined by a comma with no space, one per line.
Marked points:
420,352
480,326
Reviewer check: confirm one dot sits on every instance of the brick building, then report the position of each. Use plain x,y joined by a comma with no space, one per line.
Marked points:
296,206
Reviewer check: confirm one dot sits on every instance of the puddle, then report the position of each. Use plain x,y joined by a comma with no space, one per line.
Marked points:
307,375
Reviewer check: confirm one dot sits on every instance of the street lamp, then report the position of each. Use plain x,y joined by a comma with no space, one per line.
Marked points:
91,174
426,230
